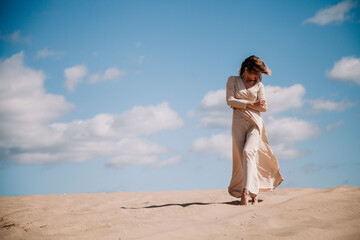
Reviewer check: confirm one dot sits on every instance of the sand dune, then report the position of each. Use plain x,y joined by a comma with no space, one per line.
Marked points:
285,213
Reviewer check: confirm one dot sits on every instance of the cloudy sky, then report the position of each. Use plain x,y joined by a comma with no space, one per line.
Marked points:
105,96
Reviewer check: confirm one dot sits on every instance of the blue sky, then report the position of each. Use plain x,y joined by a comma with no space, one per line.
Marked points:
106,96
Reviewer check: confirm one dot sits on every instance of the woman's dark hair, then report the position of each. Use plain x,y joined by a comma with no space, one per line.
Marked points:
254,65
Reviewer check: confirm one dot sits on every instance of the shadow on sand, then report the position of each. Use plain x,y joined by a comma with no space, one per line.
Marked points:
190,204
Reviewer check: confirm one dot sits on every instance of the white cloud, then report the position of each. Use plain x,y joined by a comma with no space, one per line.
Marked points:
219,144
334,125
346,69
136,152
337,13
290,130
29,133
138,45
82,140
326,105
74,75
214,99
168,162
283,99
21,90
213,110
15,37
286,152
217,118
139,121
44,53
285,133
125,152
148,120
110,74
24,105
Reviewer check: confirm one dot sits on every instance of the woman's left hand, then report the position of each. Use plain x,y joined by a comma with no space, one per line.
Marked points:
258,103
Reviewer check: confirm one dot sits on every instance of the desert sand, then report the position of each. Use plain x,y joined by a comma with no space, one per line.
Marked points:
284,213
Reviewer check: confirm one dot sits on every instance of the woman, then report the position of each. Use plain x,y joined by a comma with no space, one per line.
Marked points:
255,167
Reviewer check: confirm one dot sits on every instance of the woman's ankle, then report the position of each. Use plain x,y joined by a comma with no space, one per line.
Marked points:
245,192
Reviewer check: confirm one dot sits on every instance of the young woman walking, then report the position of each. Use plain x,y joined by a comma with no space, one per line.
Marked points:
255,168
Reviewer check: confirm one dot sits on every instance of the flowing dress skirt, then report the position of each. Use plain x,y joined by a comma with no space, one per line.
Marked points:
254,165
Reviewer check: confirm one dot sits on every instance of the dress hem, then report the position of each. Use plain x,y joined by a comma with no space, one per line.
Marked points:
237,194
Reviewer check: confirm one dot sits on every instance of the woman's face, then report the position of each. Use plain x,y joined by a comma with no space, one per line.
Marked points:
251,76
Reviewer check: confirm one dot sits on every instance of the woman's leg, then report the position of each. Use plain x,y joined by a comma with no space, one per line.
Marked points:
237,179
238,139
250,158
244,197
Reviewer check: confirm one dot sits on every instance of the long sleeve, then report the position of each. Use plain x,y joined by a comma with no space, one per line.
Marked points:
230,93
261,95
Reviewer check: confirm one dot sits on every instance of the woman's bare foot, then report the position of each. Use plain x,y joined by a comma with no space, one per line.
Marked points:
245,197
255,200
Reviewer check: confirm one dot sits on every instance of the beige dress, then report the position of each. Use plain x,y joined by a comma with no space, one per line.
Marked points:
254,165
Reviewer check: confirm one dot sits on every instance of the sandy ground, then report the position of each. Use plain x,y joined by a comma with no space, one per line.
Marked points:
285,213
